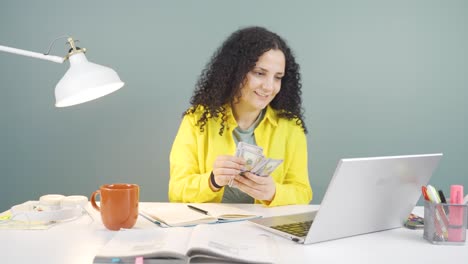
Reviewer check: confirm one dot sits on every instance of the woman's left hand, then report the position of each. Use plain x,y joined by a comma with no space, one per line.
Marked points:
259,187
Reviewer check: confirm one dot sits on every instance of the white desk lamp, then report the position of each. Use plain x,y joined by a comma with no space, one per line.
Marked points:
83,82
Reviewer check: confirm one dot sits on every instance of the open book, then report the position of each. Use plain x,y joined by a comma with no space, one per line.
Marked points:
225,243
181,214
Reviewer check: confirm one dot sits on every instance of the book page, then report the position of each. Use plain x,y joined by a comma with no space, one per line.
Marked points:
224,243
149,243
225,212
176,214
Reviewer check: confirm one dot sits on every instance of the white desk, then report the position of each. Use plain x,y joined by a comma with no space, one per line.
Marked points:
77,242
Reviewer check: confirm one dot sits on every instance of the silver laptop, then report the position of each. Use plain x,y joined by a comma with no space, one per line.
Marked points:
365,195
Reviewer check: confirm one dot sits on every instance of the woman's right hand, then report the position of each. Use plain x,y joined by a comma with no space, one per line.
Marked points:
225,168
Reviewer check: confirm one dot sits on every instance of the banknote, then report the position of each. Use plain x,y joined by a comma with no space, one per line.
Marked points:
259,166
251,158
267,167
255,161
253,148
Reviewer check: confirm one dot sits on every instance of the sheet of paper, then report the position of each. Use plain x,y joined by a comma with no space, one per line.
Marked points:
156,242
246,246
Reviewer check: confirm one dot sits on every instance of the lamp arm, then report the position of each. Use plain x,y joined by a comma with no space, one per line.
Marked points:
37,55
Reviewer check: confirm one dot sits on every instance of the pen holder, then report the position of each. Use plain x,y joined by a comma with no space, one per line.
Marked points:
445,223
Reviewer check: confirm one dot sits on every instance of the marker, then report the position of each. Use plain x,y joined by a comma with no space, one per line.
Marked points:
197,209
424,192
433,195
442,197
441,221
456,214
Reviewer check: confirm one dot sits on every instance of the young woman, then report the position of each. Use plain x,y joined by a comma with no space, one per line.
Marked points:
250,91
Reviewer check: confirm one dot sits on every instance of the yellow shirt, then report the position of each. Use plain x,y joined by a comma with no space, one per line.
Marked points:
193,154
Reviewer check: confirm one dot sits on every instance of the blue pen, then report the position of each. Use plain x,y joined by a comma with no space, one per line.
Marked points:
155,221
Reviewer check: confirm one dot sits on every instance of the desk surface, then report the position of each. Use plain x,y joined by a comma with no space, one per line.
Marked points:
78,241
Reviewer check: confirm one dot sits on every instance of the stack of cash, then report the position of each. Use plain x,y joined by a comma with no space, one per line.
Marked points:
255,161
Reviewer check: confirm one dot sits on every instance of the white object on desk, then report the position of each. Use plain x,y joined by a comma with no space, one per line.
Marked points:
28,212
51,201
79,241
50,208
74,201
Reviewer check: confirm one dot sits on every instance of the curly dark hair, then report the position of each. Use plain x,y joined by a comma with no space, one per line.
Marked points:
221,80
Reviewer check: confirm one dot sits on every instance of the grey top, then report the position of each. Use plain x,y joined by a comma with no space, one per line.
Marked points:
232,194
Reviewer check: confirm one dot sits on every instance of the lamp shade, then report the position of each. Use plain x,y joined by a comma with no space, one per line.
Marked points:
85,81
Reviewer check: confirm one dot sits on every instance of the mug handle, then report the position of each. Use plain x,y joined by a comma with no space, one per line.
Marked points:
93,200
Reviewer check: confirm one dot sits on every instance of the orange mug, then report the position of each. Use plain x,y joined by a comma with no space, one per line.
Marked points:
118,206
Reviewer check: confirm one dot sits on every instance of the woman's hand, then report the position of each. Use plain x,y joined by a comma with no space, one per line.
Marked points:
226,168
259,187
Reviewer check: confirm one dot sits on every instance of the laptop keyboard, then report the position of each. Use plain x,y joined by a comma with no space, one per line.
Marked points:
299,229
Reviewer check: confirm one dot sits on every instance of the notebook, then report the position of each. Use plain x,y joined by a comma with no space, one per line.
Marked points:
364,195
182,214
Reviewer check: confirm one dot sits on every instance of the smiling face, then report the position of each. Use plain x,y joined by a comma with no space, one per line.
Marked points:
263,82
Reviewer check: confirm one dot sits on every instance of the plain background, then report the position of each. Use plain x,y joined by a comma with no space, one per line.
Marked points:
379,78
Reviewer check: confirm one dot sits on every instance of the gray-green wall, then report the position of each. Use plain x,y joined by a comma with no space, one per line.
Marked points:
379,78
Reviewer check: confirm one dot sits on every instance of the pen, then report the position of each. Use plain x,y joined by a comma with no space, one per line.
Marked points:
152,220
197,209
